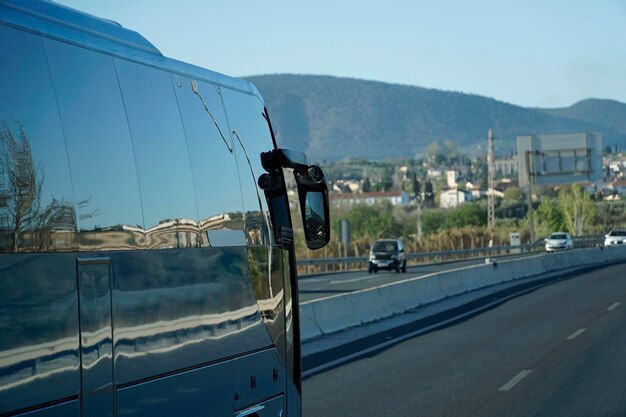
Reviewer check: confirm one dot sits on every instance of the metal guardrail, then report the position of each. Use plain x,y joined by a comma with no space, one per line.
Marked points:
321,265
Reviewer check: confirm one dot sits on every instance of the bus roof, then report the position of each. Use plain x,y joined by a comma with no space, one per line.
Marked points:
66,24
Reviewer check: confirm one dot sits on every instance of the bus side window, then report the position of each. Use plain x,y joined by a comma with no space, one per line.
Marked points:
213,164
108,205
38,301
36,200
250,136
162,156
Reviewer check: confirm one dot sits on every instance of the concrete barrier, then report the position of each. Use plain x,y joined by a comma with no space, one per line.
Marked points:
308,326
338,312
408,294
335,313
451,283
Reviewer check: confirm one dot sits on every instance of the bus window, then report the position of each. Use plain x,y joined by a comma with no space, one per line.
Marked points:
99,148
38,303
37,201
251,136
161,154
213,164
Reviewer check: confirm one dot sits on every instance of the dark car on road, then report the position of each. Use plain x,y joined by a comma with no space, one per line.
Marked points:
387,254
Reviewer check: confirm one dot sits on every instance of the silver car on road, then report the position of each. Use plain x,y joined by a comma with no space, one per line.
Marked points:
559,241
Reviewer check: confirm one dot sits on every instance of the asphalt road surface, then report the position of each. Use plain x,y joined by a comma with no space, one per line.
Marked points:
557,351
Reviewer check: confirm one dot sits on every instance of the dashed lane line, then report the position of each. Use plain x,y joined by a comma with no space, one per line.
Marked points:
613,306
576,334
516,379
364,278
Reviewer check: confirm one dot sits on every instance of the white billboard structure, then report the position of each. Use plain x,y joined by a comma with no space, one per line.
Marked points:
559,159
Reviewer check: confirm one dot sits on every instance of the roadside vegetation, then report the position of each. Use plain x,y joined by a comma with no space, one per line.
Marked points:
569,208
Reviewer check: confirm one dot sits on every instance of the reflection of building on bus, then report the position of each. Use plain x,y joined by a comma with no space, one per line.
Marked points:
147,259
59,232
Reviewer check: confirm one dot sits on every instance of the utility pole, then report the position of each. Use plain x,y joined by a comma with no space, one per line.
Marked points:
491,171
419,200
530,170
419,205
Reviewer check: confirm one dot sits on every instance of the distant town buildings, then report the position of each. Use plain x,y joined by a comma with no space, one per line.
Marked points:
395,198
506,167
352,186
434,173
452,198
474,189
451,178
616,187
552,161
617,168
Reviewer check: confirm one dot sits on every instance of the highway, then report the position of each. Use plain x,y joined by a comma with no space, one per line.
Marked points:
323,285
559,350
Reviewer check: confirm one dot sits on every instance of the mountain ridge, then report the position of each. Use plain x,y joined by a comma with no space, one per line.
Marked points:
334,118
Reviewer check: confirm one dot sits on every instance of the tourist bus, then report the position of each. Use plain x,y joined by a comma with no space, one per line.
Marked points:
146,246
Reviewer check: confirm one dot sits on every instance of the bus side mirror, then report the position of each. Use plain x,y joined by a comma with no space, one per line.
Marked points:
314,206
312,192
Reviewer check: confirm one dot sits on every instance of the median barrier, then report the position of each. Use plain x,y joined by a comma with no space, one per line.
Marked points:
411,293
516,269
372,305
614,253
308,326
478,276
554,261
451,283
335,313
338,312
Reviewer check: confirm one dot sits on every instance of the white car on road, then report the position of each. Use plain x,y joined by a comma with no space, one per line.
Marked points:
615,237
559,241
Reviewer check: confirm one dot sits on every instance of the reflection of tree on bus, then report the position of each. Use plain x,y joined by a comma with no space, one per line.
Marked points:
20,191
21,214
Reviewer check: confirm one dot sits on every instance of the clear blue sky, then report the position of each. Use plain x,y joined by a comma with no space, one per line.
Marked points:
530,53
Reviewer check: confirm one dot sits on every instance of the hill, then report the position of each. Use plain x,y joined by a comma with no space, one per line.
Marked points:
608,113
335,118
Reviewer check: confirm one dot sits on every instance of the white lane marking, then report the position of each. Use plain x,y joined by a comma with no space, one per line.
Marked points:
365,278
325,280
516,379
613,306
576,334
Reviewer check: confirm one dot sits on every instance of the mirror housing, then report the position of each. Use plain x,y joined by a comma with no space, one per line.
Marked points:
314,206
312,191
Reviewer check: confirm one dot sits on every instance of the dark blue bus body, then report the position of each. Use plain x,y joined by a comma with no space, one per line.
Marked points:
140,270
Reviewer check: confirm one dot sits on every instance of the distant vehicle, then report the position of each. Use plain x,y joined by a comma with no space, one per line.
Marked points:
559,241
387,254
615,237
